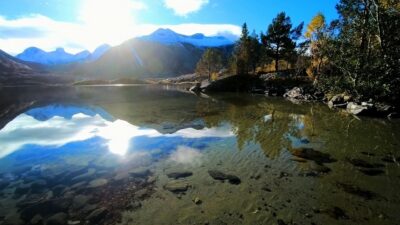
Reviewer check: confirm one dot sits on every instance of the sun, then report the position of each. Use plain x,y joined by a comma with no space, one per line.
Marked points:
112,20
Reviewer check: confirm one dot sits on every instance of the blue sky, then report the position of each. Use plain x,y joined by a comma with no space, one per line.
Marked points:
84,24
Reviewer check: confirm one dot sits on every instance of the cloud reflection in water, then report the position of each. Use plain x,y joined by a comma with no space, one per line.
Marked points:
186,155
58,131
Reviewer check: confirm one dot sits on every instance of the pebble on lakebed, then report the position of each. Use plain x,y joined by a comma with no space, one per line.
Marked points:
78,196
218,175
177,186
180,174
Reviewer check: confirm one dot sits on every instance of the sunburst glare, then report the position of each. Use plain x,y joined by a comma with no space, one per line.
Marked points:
109,19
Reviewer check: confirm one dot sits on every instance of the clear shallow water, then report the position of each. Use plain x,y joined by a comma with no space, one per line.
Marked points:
102,155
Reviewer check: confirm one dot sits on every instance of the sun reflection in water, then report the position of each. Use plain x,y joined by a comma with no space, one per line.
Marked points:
58,131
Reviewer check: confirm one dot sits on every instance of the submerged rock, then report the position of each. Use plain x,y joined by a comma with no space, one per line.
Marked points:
197,201
140,173
151,179
37,220
362,163
218,175
58,189
134,205
182,174
88,208
22,189
354,190
140,194
280,222
85,176
79,201
97,215
311,154
45,208
38,186
338,213
3,184
13,219
391,159
58,219
372,172
97,183
315,169
177,186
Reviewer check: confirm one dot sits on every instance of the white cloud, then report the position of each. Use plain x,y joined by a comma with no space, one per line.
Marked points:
185,7
48,34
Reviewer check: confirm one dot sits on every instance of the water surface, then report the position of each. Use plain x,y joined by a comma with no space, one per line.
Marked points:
146,155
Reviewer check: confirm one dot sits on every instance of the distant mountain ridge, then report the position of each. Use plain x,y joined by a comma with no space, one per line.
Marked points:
14,71
167,36
10,65
160,36
139,59
164,53
60,56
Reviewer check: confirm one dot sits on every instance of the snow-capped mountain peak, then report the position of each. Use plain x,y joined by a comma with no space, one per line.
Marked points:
60,56
168,36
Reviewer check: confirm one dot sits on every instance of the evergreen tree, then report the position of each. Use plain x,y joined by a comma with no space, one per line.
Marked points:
254,51
210,62
242,52
279,39
367,48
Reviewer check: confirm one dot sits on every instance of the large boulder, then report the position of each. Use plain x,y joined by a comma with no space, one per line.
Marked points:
195,88
295,93
371,109
298,94
204,84
356,109
339,101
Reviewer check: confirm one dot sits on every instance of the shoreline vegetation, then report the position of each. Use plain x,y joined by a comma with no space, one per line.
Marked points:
297,89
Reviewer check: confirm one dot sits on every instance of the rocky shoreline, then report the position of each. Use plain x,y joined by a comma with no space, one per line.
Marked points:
297,90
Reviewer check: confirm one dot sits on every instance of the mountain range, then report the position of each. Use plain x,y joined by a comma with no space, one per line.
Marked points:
160,54
14,71
60,56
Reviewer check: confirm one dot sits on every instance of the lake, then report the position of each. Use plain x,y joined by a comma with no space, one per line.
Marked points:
161,155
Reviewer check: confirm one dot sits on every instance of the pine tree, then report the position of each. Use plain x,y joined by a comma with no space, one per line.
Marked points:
210,62
254,51
279,39
242,52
